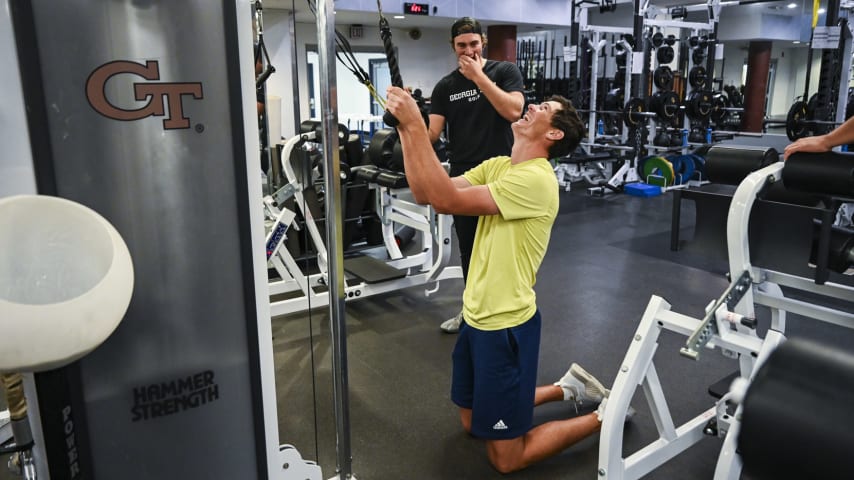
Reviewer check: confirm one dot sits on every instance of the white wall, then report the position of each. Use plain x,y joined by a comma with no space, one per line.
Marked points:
547,12
16,166
277,38
790,76
422,62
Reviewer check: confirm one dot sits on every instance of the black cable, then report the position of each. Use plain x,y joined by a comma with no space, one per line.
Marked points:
261,53
269,69
349,59
311,333
391,57
310,328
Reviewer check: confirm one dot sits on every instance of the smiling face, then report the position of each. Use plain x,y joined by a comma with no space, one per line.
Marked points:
469,45
538,117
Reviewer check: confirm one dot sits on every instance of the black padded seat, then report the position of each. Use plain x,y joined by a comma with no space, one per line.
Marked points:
380,176
580,157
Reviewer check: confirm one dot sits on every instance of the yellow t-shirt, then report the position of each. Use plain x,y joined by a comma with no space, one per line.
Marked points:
509,247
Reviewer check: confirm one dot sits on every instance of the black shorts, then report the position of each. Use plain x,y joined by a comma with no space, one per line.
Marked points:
495,375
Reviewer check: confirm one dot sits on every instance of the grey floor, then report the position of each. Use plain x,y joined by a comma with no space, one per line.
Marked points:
607,256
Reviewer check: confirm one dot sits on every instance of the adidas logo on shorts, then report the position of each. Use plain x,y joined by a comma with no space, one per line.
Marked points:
499,426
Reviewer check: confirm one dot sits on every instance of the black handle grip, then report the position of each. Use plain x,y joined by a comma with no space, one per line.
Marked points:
749,322
393,67
264,76
390,119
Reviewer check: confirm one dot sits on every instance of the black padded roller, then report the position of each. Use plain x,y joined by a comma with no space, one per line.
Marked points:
309,126
840,251
730,165
829,173
777,192
799,413
385,150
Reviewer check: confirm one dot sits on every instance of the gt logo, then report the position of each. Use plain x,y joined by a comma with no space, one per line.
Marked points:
154,93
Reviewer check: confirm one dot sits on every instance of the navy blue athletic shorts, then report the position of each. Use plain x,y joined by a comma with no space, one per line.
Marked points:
495,375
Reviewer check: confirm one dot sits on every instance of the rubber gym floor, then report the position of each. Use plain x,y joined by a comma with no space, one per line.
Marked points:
607,256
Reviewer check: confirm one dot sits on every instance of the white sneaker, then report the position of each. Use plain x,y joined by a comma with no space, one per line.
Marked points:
579,386
452,325
600,412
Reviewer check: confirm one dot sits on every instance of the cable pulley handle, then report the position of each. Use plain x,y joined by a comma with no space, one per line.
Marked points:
264,76
393,67
391,56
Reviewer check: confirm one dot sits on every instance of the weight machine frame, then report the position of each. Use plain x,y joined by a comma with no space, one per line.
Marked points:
5,427
307,290
729,324
566,171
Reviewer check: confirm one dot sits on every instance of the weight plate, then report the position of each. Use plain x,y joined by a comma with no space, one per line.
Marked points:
657,39
633,106
657,167
698,56
795,128
699,162
662,77
699,105
697,77
683,168
666,104
665,54
720,103
676,163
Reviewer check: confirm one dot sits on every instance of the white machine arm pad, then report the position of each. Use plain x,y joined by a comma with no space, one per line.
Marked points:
66,279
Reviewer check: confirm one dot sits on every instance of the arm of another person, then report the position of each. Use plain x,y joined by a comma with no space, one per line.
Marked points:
508,104
437,125
438,109
843,134
427,178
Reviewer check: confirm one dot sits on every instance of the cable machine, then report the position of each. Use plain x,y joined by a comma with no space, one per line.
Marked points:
184,387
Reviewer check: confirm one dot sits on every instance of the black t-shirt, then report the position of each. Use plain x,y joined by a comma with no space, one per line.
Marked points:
476,131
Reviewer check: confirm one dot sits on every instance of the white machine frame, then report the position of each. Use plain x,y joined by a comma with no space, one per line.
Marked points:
628,172
428,266
570,172
728,325
5,427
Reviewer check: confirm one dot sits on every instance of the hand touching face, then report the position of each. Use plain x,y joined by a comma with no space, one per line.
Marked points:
469,50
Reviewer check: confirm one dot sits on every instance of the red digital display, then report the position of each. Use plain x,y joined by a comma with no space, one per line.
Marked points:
416,8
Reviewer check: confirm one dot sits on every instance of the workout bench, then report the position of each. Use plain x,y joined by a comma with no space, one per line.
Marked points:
729,323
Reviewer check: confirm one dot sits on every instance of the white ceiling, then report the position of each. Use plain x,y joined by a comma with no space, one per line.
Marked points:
304,15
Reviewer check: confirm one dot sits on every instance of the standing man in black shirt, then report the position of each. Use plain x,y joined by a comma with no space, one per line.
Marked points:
478,101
